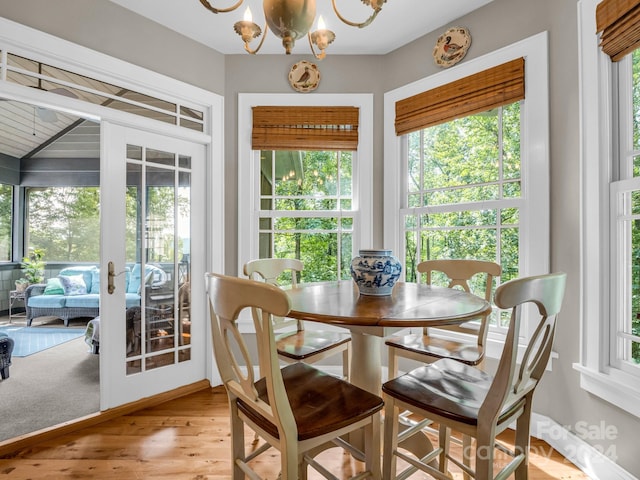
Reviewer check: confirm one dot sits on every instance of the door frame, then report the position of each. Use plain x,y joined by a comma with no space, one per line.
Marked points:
40,46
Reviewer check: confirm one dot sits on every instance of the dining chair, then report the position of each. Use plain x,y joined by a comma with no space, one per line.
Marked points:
427,347
294,342
474,402
299,410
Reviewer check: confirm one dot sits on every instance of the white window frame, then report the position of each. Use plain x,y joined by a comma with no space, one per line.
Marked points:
598,375
534,215
248,168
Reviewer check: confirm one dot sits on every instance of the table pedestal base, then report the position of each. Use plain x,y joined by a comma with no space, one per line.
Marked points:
369,348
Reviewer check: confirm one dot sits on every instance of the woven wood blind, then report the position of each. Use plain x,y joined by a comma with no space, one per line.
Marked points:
305,128
619,22
476,93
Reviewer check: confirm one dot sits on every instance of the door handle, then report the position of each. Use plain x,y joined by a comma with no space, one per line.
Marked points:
111,275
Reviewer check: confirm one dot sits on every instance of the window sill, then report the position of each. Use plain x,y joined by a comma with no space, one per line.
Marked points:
617,388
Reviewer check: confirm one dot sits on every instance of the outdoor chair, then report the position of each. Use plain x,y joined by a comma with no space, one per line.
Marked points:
293,341
299,410
469,400
6,348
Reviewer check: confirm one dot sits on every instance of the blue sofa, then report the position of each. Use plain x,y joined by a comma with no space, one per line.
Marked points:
75,292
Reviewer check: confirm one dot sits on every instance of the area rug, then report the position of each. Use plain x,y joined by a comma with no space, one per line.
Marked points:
30,340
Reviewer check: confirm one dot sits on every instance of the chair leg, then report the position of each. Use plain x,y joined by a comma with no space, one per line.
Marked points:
4,372
237,441
484,455
389,460
292,464
303,468
444,441
346,363
392,363
466,455
372,446
522,439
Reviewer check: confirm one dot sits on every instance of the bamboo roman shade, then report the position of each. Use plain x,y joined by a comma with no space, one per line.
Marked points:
305,128
476,93
619,22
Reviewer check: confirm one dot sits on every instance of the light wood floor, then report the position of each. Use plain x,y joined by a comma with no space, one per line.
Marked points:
187,438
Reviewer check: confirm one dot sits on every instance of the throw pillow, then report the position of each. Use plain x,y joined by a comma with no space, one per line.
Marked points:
54,287
95,281
135,280
73,284
147,281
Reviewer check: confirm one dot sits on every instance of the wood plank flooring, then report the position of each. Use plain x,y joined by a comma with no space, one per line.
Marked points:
188,438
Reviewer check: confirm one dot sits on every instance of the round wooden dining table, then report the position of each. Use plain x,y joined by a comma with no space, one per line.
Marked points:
369,318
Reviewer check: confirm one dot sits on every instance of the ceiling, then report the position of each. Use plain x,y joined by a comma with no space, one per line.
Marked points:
27,131
399,23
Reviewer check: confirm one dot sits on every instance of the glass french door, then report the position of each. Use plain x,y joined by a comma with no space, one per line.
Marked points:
152,329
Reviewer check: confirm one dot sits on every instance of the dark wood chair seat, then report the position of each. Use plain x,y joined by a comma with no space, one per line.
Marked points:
471,354
301,345
446,388
328,405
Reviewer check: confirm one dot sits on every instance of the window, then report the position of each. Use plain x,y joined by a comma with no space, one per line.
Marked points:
463,195
35,74
305,210
474,184
312,204
468,161
625,210
6,219
610,150
64,223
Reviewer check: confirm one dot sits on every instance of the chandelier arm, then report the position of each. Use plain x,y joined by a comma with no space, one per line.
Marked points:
320,55
264,35
344,20
208,6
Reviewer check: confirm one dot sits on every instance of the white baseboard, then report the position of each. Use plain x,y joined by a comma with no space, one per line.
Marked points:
599,465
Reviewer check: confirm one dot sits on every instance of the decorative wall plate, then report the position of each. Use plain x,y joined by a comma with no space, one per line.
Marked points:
304,76
451,46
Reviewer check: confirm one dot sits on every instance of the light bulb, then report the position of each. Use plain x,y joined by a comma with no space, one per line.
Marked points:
247,15
321,25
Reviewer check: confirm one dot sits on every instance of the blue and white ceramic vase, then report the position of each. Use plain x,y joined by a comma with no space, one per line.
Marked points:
375,271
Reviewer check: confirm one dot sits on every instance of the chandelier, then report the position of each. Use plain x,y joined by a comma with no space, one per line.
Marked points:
291,20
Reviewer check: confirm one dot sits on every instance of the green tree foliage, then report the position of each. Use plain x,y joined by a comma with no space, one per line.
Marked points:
64,222
635,231
318,181
469,160
160,222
